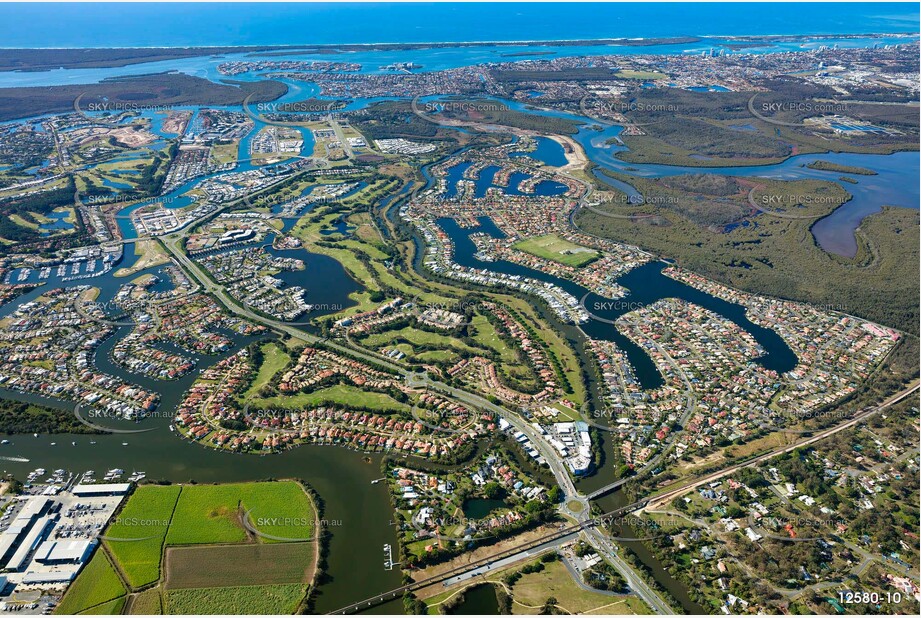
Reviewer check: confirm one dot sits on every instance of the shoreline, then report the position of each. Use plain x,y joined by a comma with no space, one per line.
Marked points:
623,41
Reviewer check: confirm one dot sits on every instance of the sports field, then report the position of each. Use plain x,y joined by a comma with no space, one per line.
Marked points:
552,247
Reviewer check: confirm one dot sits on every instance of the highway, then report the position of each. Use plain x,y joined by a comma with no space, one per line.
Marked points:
589,526
646,503
661,499
563,534
172,244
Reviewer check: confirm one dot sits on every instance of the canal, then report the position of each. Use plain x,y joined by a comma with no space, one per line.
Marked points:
646,285
341,476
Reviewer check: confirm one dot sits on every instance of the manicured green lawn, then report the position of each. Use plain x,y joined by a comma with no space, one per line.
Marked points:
560,250
344,394
437,356
486,335
274,360
417,337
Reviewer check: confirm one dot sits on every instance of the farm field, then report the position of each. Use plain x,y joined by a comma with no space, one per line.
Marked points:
552,247
146,603
146,517
109,608
97,584
251,564
212,513
259,537
278,599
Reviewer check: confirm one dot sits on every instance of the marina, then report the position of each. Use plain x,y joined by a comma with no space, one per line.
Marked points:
335,243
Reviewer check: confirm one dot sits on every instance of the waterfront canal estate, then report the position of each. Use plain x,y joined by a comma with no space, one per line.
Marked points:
463,309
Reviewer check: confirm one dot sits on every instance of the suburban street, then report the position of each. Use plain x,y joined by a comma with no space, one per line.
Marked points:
595,535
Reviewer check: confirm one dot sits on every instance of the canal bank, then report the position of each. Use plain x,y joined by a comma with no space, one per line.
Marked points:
355,564
646,285
341,477
644,556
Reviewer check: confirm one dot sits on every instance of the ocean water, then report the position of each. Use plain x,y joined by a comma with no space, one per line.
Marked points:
202,24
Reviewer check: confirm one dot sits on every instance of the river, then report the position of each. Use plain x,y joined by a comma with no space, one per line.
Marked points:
646,284
343,477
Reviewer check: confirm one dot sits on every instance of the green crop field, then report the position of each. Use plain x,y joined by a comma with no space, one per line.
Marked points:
270,568
145,517
146,603
279,599
109,608
97,583
213,513
552,247
245,565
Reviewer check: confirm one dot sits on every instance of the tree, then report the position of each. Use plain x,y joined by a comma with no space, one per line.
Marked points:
493,490
549,606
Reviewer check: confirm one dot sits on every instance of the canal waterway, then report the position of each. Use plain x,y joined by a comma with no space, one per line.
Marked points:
834,233
356,561
342,477
646,284
661,575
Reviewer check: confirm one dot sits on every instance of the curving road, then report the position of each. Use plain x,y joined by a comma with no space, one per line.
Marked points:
598,539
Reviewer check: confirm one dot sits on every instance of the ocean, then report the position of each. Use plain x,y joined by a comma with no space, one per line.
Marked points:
235,24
